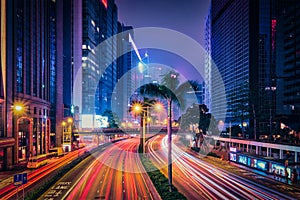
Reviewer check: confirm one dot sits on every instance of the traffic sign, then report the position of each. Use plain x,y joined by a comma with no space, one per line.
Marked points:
24,178
20,179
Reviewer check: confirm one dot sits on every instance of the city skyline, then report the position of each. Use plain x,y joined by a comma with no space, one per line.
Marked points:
125,99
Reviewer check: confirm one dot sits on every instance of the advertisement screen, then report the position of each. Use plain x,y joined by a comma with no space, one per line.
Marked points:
254,163
232,157
242,159
262,165
101,121
249,162
279,169
87,121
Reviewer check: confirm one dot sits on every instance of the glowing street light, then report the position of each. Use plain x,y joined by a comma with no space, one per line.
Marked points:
18,108
142,109
19,115
158,107
137,108
70,120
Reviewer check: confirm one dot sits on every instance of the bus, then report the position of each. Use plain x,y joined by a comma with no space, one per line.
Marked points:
37,161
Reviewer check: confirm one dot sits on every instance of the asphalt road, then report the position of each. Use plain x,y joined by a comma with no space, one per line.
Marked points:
36,177
197,179
115,172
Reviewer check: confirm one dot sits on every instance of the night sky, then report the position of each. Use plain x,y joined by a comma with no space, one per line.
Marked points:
187,17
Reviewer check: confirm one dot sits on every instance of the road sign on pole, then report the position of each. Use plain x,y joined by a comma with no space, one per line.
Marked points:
18,179
24,178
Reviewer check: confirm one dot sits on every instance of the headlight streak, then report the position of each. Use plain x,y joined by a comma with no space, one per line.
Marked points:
154,154
40,173
201,178
243,182
119,171
216,180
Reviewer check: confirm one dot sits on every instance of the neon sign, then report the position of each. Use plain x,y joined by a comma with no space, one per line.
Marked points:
274,22
104,3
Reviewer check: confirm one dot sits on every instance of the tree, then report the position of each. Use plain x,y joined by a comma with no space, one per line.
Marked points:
113,119
170,90
191,116
204,119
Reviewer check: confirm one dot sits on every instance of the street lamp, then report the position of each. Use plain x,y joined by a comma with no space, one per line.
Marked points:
138,109
23,130
158,107
18,108
142,108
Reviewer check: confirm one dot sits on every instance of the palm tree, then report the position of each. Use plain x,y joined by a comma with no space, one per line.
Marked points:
170,90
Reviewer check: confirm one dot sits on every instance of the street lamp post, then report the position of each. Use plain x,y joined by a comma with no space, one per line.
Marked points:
137,109
23,129
142,109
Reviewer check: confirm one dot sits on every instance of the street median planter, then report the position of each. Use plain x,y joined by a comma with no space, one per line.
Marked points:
160,181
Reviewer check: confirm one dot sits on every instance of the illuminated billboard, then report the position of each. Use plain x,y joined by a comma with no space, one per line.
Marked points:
87,121
232,156
262,165
94,121
279,169
259,164
242,159
101,121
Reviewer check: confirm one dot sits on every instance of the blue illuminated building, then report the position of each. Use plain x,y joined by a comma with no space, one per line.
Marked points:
87,24
288,60
243,47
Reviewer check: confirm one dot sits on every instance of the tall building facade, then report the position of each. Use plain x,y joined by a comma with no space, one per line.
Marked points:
89,74
243,48
288,59
29,78
123,90
108,59
208,61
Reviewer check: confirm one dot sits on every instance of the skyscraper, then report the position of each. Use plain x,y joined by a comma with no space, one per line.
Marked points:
123,90
243,49
208,62
29,78
88,70
288,57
